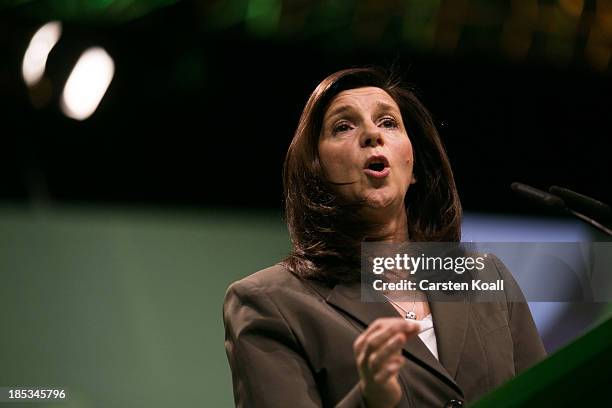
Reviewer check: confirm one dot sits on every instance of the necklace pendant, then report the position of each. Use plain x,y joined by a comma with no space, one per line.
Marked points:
410,316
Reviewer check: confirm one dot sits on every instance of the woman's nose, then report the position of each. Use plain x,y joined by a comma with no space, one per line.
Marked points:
371,136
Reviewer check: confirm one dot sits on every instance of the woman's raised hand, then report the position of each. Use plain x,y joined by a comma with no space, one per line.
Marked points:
379,359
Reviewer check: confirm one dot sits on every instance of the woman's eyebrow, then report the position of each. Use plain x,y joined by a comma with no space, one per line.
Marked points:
339,110
385,106
348,108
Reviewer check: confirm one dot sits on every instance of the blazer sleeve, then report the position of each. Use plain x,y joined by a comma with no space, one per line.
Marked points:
266,360
528,347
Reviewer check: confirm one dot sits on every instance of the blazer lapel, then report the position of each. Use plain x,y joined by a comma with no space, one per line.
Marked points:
450,325
347,297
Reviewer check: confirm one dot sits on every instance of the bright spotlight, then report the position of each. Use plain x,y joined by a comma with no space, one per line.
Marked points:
35,58
87,83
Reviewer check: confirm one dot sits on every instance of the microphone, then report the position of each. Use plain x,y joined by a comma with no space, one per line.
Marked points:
585,204
539,197
574,200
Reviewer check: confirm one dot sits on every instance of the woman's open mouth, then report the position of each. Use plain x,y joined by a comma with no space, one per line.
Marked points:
377,166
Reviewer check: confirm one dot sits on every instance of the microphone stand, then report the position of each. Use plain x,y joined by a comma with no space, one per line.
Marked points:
591,221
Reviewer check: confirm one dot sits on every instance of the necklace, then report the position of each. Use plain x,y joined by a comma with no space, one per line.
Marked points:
410,315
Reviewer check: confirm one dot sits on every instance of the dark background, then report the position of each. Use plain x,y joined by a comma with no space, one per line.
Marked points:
201,114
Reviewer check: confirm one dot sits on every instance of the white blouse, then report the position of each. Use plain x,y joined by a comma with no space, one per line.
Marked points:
427,335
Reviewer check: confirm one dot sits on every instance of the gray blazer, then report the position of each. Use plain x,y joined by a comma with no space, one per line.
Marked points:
289,343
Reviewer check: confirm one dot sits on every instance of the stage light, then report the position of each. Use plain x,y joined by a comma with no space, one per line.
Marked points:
35,58
87,83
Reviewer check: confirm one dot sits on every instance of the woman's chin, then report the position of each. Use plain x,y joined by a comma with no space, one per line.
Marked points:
380,199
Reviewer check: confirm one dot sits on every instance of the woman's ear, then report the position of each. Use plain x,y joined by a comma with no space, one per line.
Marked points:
413,180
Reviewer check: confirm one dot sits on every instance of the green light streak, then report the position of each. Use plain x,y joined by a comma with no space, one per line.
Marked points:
263,16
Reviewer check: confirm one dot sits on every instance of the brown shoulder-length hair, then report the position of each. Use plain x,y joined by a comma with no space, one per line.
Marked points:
325,230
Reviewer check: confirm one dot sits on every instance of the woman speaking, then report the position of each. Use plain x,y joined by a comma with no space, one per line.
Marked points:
366,164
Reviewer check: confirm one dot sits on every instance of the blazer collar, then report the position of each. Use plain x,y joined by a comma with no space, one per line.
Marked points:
450,326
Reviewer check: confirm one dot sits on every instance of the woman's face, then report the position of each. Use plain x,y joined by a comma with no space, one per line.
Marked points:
364,144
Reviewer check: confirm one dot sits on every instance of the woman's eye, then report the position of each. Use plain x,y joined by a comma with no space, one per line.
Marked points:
341,127
388,123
